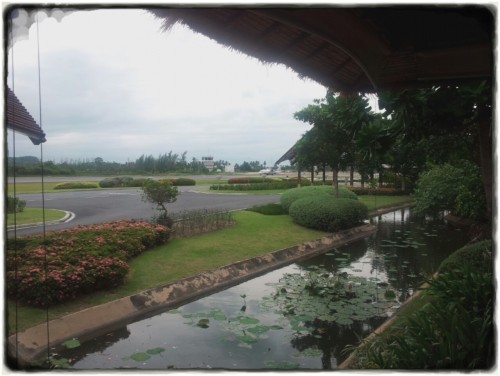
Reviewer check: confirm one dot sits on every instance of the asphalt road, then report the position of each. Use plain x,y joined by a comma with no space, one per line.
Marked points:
92,207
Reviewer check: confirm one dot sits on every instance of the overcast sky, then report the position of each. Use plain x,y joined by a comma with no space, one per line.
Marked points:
115,86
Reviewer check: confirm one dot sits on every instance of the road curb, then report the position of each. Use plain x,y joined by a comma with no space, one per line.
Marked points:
68,216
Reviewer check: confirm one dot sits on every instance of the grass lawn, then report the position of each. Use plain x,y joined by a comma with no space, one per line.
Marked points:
253,235
34,215
25,188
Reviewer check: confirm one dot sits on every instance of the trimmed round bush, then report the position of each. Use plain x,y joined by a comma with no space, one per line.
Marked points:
115,181
476,255
292,195
327,213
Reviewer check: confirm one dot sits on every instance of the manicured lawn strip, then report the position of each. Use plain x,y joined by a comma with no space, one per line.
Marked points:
254,235
26,188
34,215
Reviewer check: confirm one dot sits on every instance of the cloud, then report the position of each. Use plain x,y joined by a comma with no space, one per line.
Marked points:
115,86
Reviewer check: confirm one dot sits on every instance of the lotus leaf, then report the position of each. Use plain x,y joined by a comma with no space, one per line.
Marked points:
248,320
155,351
258,329
280,365
72,343
247,339
140,357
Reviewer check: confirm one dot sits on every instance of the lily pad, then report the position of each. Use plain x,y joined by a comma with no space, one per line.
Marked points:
258,329
140,357
220,317
247,339
280,365
72,343
248,320
155,351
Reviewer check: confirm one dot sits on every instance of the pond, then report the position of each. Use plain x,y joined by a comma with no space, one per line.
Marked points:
298,317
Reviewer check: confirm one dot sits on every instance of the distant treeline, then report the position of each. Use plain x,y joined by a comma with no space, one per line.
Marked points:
146,164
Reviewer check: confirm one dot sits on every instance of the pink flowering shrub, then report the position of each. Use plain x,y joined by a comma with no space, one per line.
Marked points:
76,261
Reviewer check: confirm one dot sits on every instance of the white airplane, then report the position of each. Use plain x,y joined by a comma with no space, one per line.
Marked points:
268,171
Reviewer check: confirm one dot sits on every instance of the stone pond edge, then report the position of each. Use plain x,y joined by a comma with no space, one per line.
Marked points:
32,343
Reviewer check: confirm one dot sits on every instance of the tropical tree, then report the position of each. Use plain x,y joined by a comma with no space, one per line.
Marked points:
310,150
454,121
159,193
338,119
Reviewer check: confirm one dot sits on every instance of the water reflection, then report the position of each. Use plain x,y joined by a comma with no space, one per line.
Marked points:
249,327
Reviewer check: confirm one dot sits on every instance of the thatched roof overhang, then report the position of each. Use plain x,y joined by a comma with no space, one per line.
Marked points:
356,49
19,119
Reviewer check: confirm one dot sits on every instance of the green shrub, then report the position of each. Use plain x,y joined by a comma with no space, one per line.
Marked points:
476,255
327,213
458,189
454,330
376,191
76,185
184,182
68,263
270,185
15,205
115,182
271,209
122,181
248,180
292,195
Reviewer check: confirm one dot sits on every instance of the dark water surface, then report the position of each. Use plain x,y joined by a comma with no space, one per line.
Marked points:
301,316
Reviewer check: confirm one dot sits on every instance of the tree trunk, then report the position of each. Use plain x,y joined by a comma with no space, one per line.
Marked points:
299,176
486,156
324,172
336,181
312,174
403,183
351,176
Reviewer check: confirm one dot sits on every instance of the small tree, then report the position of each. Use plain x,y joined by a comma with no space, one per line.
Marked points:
159,193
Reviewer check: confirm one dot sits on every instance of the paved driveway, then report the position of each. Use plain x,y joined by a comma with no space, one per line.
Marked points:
109,205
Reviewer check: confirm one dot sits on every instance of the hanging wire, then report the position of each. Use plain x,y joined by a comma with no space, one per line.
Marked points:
43,186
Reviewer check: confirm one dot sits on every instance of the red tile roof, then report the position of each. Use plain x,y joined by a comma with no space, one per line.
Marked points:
20,120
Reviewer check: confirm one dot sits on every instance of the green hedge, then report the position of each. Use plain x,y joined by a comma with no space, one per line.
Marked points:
476,255
121,181
288,197
271,209
183,182
252,180
75,261
76,185
327,213
377,191
256,186
127,181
